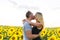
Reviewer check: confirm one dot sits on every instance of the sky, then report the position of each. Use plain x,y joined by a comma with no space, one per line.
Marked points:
12,12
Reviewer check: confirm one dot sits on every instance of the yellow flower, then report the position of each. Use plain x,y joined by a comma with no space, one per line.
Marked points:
53,31
5,29
43,32
20,30
1,29
20,38
53,37
58,32
14,37
9,33
17,33
12,29
1,37
58,38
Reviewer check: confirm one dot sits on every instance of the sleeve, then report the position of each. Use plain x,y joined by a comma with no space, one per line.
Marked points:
27,27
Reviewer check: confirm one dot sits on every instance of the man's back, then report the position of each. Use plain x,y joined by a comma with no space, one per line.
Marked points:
26,28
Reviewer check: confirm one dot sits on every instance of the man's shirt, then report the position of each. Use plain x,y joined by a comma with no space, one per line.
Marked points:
27,27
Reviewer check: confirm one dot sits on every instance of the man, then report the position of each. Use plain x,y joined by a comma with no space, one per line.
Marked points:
28,28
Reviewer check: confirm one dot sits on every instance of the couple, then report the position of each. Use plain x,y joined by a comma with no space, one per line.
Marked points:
32,30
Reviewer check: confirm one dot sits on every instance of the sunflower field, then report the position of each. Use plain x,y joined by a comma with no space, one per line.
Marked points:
50,34
16,33
11,33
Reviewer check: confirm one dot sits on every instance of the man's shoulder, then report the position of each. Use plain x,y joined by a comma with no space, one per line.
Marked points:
26,23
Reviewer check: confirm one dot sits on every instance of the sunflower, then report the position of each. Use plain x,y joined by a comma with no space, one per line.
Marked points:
58,38
12,29
5,29
1,37
43,32
20,30
53,31
9,34
1,29
20,38
13,37
18,34
58,32
53,37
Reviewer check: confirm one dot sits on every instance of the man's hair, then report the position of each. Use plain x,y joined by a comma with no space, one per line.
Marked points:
28,14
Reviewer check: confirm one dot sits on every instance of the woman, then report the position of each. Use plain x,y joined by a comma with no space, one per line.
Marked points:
35,29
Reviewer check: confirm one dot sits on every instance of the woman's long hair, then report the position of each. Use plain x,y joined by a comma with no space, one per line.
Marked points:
39,17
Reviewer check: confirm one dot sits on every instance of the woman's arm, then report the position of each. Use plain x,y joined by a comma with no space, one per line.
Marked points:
33,24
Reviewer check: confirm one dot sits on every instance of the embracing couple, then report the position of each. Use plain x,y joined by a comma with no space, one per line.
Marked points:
32,30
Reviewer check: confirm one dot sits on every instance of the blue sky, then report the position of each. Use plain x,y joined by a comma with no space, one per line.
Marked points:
13,11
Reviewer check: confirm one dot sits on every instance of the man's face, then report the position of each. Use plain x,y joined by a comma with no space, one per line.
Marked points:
32,16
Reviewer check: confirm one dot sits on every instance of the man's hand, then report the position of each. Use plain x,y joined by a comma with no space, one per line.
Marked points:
30,35
24,20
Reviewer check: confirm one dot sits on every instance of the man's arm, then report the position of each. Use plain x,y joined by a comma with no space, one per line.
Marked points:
30,35
28,31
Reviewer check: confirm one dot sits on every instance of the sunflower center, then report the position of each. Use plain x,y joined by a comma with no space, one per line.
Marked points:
17,33
11,29
51,39
41,34
59,31
44,31
13,38
0,32
22,36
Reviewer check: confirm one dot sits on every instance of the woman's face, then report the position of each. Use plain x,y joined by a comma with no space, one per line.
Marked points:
37,18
